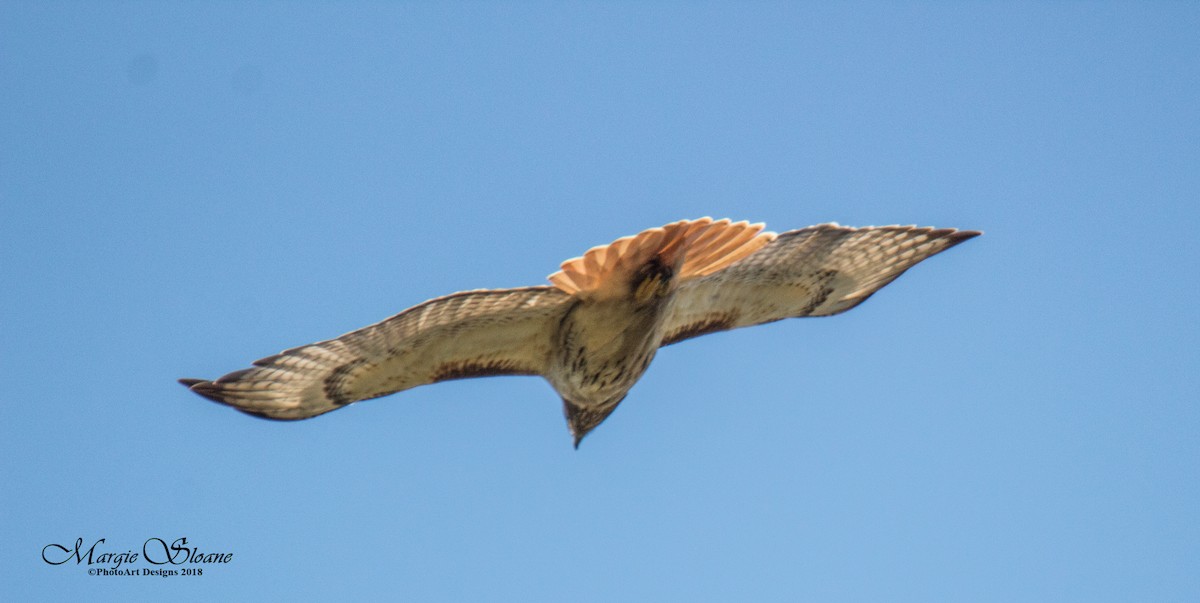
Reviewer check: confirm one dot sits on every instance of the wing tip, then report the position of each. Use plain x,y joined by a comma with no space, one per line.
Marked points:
211,390
954,236
205,388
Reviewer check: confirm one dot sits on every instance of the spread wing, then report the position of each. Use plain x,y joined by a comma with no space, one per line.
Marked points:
816,271
468,334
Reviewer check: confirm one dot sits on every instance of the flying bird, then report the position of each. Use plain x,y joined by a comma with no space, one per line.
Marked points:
594,330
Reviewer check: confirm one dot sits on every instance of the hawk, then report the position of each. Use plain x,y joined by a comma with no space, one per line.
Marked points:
593,332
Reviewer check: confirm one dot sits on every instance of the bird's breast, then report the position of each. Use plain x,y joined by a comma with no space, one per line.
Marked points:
604,348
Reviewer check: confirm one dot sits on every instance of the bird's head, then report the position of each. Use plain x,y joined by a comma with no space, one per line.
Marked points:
583,419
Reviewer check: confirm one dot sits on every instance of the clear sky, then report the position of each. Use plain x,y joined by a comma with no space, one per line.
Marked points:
185,187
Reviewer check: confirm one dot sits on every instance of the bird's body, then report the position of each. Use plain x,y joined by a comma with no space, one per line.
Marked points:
594,333
603,348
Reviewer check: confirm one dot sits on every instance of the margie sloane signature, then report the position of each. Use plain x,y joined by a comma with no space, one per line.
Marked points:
155,551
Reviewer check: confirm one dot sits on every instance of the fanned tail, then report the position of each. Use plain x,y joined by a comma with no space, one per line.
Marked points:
690,248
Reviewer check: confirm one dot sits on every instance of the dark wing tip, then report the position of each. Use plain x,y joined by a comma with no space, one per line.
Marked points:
205,388
962,236
954,237
213,391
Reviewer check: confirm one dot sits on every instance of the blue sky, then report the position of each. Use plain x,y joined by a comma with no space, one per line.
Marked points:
185,187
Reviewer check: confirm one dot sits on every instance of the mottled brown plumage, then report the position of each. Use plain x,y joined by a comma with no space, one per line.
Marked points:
593,334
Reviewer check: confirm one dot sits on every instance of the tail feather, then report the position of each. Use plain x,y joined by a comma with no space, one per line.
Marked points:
691,248
723,246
